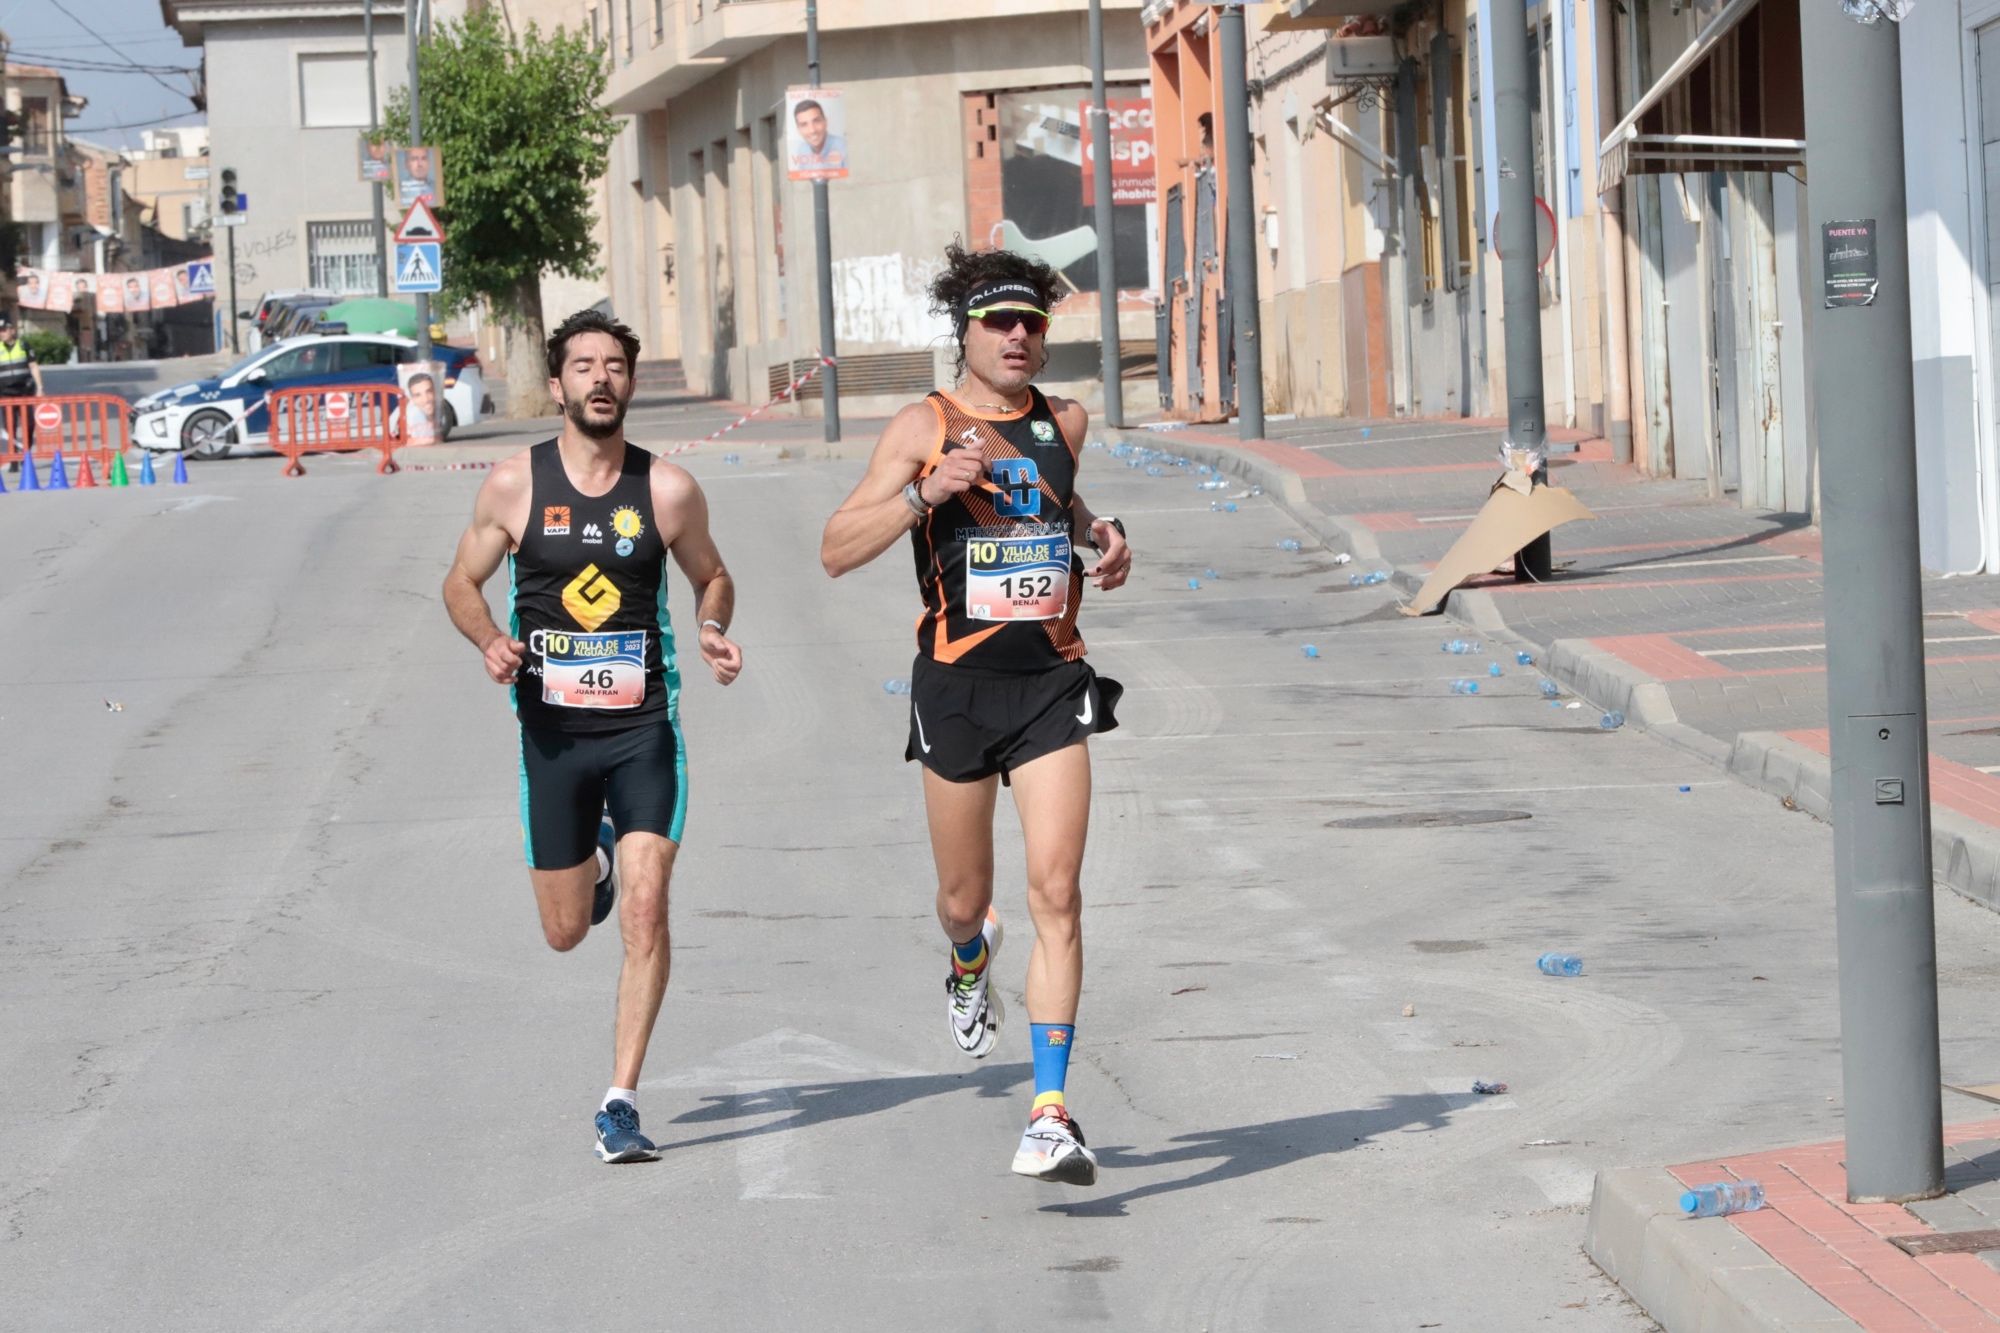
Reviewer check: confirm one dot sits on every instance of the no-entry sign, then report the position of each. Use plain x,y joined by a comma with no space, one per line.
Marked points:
336,406
48,416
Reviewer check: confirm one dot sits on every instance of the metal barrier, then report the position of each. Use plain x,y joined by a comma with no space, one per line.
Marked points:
90,427
336,418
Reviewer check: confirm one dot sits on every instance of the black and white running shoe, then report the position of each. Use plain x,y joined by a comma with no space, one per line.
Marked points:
974,1005
1053,1149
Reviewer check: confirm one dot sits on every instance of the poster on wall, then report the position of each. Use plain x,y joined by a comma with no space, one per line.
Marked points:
815,134
1044,207
31,288
1132,177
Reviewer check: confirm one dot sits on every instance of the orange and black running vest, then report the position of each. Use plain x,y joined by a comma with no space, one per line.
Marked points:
996,564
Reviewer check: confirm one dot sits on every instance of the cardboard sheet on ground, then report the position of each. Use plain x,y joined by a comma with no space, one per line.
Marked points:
1515,514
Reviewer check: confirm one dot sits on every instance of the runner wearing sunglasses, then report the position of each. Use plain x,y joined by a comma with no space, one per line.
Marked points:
984,481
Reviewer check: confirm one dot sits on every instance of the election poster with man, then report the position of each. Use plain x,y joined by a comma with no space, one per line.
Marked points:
133,292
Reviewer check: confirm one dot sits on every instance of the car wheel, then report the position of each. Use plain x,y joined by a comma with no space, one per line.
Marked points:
208,434
447,423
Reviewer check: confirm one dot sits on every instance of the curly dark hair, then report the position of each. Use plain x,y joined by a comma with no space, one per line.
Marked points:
965,271
591,321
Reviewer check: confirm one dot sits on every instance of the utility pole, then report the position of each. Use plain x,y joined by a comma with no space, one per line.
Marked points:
1876,710
823,245
1107,276
374,127
414,38
1240,277
1521,307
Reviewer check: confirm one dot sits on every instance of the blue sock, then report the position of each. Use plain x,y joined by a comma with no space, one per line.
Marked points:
971,955
1050,1043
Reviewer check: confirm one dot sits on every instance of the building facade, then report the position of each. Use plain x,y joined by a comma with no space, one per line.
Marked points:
46,183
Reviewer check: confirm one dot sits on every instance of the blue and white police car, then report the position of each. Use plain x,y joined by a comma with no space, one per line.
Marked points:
208,418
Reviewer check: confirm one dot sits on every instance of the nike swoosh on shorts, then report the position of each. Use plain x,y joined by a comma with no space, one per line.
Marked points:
1088,710
920,728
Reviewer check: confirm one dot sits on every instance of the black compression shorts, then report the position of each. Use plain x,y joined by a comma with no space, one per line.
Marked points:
567,781
967,723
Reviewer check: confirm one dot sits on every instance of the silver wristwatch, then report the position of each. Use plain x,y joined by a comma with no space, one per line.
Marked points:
913,496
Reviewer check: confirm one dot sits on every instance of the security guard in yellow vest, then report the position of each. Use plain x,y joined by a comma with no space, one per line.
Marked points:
20,377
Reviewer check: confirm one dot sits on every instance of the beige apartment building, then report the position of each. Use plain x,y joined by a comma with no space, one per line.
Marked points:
45,187
960,121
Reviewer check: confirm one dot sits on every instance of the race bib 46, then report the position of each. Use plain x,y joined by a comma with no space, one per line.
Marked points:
591,670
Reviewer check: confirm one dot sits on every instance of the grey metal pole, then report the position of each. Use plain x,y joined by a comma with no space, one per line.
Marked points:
374,125
235,340
1521,307
414,38
823,249
1876,708
1240,277
1107,275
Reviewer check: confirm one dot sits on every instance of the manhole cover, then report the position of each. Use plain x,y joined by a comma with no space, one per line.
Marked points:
1430,819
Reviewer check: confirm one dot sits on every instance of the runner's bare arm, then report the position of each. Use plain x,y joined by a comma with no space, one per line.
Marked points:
682,510
875,514
498,512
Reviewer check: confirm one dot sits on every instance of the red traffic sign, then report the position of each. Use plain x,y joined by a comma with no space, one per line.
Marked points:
336,406
1545,234
48,416
419,224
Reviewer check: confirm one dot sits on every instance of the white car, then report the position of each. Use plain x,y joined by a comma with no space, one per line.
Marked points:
207,418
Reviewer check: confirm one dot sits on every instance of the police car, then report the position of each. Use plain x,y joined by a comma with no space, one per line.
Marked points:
208,418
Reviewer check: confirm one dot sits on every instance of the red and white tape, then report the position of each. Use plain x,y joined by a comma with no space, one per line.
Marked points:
753,413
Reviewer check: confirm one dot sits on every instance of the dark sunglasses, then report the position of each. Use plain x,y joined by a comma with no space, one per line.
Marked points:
1005,321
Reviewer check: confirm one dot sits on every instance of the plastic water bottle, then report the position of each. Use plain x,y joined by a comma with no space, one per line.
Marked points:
1560,965
1210,574
1461,646
1723,1198
1310,650
1465,687
1154,470
1229,507
732,459
895,685
1524,659
1194,584
1612,720
1452,646
1288,544
1256,490
1493,670
1549,690
1379,576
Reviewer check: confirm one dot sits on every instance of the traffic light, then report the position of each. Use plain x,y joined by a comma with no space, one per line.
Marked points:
229,202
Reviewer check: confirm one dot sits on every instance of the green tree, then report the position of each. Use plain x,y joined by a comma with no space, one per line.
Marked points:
524,138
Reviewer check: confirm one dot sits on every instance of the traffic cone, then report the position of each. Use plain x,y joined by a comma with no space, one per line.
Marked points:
180,469
86,480
3,481
58,476
119,477
30,481
146,477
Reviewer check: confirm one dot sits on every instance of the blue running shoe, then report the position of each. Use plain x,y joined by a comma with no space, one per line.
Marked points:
618,1136
607,883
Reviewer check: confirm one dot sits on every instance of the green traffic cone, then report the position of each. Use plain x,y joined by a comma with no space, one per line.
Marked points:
118,477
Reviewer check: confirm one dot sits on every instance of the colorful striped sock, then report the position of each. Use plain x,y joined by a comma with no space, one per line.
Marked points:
1050,1043
969,956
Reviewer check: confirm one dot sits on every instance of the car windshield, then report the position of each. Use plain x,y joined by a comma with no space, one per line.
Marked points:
244,364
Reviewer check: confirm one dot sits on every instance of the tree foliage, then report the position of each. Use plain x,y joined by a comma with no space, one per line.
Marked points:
523,138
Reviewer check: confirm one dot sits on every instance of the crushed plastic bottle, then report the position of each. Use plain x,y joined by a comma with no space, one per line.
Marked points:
1465,687
1155,470
1311,650
1229,508
1212,484
1461,646
1194,584
1612,720
1524,659
1210,574
895,685
1549,690
1368,580
1485,1089
1560,965
1493,669
1723,1198
1289,544
1256,490
732,459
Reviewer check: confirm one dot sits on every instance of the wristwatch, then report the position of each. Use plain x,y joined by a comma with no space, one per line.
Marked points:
1117,523
913,496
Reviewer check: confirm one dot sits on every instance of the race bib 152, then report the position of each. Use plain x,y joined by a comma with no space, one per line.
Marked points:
1017,578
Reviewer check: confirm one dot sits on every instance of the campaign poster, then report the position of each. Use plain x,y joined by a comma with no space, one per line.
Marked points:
815,134
110,295
422,383
83,286
160,286
61,292
31,288
374,161
419,175
138,295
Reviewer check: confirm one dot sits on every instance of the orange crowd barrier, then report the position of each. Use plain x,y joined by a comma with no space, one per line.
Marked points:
90,427
336,418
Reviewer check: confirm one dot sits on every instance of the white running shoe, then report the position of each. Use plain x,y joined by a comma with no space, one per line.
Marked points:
974,1005
1053,1149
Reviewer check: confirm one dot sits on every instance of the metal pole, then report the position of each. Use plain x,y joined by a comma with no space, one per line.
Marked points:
374,126
1107,276
1240,277
413,38
823,249
1876,708
1521,307
235,342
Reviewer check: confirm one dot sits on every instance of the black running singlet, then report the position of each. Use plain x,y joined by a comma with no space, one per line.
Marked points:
589,598
1000,580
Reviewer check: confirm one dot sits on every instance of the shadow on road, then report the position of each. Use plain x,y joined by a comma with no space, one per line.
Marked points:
813,1104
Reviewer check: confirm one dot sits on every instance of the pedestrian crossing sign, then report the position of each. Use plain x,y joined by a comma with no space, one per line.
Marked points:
419,267
201,277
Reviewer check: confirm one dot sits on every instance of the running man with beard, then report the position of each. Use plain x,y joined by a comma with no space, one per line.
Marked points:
984,482
585,522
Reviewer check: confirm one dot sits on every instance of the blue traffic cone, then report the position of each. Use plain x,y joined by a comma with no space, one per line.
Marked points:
30,481
180,469
3,481
58,478
146,477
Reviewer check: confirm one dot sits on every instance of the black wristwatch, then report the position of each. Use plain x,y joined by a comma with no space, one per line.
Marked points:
1117,523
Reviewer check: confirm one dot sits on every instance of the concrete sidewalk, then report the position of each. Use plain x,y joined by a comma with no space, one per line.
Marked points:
1699,620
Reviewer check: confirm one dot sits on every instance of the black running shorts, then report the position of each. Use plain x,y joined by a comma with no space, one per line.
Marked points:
567,781
967,723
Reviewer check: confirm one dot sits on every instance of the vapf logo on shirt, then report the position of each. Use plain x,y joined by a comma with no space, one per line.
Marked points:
591,599
555,520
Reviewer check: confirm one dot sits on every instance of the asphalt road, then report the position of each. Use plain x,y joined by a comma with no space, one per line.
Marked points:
286,1051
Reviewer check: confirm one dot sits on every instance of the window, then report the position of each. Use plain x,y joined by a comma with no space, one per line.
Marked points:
333,90
340,256
36,139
